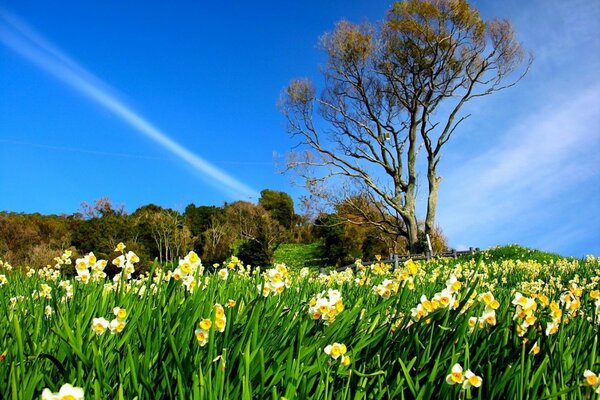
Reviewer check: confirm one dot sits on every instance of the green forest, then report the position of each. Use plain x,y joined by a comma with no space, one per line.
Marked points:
255,233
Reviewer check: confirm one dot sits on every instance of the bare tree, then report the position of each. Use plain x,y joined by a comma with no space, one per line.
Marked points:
391,90
171,236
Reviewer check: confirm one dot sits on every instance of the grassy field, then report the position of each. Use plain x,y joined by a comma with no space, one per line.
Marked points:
509,323
296,255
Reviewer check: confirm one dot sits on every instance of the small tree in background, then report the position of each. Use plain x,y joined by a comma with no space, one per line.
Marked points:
280,205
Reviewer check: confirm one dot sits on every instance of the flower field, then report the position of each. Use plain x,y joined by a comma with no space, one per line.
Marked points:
492,326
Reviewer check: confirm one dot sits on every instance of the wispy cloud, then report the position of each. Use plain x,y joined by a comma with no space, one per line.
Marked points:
536,180
548,154
19,37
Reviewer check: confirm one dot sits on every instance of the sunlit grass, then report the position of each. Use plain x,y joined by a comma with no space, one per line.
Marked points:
517,328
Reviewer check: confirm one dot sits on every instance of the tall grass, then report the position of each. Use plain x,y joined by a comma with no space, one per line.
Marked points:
272,347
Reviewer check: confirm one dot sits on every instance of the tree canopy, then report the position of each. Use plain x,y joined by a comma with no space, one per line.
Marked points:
390,90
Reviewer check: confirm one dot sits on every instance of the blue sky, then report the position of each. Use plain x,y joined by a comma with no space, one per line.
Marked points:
153,102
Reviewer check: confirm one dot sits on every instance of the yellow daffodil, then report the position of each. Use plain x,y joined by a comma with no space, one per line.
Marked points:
413,268
132,257
551,328
335,350
220,324
455,376
185,267
471,380
205,324
219,311
193,257
117,326
201,336
230,303
591,378
100,325
120,313
223,274
345,360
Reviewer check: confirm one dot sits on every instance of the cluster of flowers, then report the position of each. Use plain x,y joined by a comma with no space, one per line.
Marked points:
202,333
275,280
51,272
5,265
100,325
379,268
336,278
326,307
85,264
402,277
443,299
386,288
571,301
467,380
45,292
64,259
66,392
235,262
336,351
14,300
188,269
126,262
488,317
525,314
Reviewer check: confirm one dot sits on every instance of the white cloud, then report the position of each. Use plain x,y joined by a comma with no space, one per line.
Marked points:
545,155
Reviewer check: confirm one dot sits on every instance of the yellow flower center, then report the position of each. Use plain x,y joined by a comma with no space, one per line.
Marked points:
205,324
186,268
457,377
335,351
591,379
475,381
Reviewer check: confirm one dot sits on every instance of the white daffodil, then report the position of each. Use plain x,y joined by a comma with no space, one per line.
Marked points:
66,392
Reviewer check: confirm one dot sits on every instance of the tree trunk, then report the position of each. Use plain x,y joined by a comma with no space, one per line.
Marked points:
413,233
412,227
434,184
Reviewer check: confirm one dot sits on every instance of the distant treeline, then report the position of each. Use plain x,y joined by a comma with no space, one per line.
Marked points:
250,231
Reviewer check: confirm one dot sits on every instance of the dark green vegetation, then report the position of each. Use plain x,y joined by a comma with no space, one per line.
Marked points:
253,232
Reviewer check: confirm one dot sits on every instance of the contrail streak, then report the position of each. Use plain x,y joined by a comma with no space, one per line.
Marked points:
19,37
